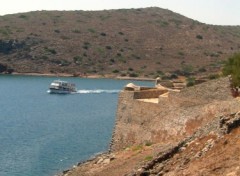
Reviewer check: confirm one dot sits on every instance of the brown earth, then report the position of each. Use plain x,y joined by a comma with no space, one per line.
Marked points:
211,150
127,42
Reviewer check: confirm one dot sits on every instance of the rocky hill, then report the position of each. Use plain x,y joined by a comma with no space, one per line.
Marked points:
127,42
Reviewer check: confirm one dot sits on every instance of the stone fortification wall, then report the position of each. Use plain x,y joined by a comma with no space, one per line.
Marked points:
151,93
174,117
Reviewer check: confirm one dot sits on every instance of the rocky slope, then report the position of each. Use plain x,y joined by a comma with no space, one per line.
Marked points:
210,148
128,42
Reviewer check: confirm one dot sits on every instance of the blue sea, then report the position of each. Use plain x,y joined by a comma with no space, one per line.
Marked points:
42,134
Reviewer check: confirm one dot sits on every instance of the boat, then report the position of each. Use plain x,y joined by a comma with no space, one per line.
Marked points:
62,87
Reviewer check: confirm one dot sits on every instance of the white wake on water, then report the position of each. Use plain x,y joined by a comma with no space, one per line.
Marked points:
97,91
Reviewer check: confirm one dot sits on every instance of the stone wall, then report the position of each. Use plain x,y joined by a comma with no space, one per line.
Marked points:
151,93
173,118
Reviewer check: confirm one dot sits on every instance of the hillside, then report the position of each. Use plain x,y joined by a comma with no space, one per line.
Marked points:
134,42
210,151
187,137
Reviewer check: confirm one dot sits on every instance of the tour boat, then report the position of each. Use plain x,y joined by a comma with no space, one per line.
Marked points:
62,87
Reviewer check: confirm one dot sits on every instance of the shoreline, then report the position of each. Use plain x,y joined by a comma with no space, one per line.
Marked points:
103,154
79,76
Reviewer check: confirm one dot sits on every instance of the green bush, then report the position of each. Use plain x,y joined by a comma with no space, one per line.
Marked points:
77,59
180,53
91,30
148,158
115,71
133,75
148,143
57,31
76,31
112,60
232,67
187,69
108,47
190,81
50,50
103,34
65,63
213,76
23,16
199,37
86,45
202,69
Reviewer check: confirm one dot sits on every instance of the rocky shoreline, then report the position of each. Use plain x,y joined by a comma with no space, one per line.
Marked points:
81,76
101,158
206,139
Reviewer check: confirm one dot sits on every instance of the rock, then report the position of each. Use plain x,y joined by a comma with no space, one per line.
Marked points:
183,148
232,174
106,161
112,157
100,161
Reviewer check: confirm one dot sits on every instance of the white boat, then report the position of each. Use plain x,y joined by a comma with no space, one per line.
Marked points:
62,87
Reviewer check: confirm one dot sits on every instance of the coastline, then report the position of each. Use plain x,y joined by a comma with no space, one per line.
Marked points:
81,76
105,154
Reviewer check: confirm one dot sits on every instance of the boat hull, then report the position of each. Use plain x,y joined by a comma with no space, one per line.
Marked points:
61,87
57,91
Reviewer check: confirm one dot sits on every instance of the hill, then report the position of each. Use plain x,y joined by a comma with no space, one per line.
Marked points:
127,42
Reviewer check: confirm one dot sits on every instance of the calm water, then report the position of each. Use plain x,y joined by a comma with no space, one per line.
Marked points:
42,134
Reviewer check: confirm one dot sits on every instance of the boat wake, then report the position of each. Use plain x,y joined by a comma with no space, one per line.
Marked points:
97,91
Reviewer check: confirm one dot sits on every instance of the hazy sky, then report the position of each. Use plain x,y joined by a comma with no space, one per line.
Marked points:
221,12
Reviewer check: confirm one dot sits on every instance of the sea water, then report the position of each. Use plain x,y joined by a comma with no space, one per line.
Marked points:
42,134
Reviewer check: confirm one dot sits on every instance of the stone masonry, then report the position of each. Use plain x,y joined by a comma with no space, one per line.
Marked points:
174,117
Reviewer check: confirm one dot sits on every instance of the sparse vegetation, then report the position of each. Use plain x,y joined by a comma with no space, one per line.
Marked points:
130,69
133,75
108,47
76,31
103,34
91,30
232,67
187,69
199,37
86,45
180,53
136,38
77,59
202,69
213,76
164,23
148,143
50,50
190,81
57,30
115,71
23,16
136,148
148,158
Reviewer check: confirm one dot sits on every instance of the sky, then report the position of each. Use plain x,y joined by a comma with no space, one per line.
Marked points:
217,12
